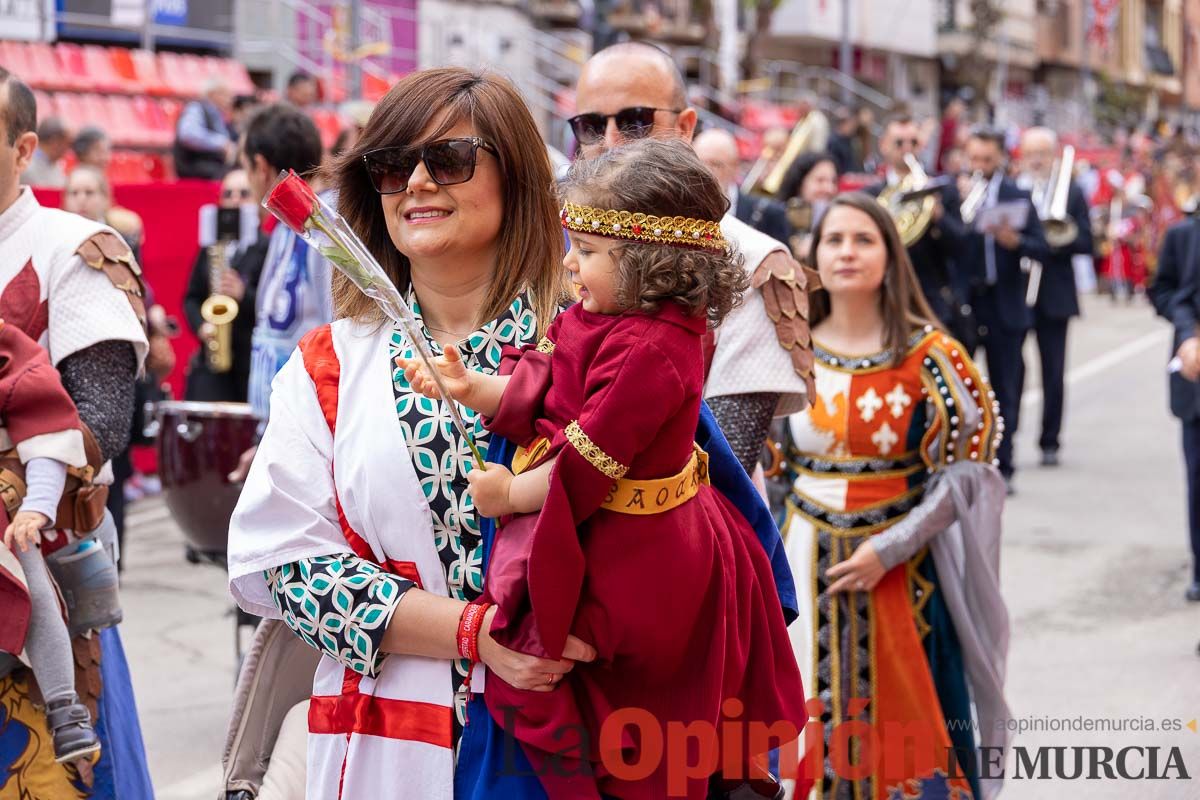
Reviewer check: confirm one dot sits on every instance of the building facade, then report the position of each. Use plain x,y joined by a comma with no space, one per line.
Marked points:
894,44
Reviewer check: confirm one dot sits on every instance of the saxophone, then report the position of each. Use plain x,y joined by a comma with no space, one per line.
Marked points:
218,310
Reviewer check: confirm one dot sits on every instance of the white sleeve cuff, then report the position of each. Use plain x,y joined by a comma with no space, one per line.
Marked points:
65,446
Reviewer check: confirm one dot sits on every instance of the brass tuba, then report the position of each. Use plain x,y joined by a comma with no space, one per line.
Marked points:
218,310
914,215
750,184
797,144
1060,229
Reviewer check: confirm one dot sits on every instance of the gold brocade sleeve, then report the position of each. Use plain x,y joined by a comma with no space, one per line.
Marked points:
595,456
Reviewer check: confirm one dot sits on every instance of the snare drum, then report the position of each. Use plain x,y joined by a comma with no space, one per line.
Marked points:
199,444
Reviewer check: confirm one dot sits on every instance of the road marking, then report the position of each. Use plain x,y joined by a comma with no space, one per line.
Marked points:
1101,363
199,786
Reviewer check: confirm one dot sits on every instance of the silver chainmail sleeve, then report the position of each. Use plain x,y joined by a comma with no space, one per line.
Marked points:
745,420
100,379
932,515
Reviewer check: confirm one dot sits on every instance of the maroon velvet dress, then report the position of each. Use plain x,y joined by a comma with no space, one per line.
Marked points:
33,402
680,605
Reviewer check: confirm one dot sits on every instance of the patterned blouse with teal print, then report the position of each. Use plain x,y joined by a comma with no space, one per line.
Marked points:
303,590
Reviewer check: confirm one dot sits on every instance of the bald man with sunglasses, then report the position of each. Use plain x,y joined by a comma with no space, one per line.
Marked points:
761,361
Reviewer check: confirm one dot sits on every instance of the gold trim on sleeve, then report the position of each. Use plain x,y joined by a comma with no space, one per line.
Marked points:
595,456
545,346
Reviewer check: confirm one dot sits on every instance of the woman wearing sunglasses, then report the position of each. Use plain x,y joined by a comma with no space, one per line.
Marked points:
355,526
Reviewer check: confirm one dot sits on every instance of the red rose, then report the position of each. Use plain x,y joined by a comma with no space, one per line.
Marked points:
293,201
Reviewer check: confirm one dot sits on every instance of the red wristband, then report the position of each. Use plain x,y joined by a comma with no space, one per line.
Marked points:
469,626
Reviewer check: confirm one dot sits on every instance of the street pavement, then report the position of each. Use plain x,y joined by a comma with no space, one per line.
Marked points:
1094,568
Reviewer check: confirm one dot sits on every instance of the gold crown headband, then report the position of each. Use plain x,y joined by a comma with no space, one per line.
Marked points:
637,227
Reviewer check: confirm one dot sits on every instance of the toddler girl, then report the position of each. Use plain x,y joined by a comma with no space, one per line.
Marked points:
39,421
610,530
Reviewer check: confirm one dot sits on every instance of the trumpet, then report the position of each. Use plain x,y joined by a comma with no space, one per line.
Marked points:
913,214
975,198
1060,229
218,310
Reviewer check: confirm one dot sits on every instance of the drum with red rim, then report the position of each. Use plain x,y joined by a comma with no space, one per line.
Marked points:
198,446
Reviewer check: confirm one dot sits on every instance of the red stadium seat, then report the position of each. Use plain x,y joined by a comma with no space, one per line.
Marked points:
171,110
175,74
72,110
44,69
196,71
98,62
72,67
46,106
15,57
128,126
121,61
236,76
145,67
98,112
156,130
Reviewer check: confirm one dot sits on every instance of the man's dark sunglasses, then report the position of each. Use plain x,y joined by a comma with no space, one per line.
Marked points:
448,162
229,194
633,123
909,142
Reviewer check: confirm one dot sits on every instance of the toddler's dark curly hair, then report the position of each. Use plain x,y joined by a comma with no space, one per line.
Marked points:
666,179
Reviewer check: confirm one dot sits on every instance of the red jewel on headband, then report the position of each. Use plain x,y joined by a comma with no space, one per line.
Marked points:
637,230
708,236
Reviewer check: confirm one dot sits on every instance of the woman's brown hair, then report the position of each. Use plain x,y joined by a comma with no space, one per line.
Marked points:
666,179
900,297
531,244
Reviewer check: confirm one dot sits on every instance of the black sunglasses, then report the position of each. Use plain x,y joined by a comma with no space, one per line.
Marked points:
229,194
448,162
633,123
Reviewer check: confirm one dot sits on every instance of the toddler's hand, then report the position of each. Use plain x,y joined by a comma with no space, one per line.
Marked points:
489,490
25,530
455,375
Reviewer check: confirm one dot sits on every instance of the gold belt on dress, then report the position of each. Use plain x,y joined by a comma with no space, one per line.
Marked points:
629,496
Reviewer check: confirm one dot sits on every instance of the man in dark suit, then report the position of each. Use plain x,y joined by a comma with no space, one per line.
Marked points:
934,254
1056,300
1176,296
718,150
992,260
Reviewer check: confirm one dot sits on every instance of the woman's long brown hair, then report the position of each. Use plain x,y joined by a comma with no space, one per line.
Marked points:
530,250
901,300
